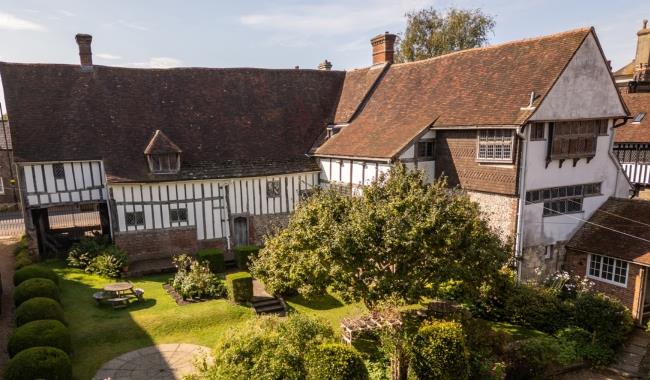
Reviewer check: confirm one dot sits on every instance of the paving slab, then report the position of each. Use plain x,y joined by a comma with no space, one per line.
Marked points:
165,361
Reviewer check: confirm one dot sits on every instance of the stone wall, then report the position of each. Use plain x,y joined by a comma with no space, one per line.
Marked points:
536,266
157,244
501,211
576,263
263,225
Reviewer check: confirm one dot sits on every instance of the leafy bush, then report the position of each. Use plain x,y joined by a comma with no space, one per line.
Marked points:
45,333
538,308
335,361
440,351
34,272
82,253
493,296
214,258
268,348
240,286
22,245
38,308
195,280
35,287
23,259
533,358
243,254
486,348
39,363
109,263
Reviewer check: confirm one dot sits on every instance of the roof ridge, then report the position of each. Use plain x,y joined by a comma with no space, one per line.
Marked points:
495,46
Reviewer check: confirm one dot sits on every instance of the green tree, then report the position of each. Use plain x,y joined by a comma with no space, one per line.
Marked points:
430,33
403,239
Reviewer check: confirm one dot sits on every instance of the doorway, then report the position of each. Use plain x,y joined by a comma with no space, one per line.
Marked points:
240,227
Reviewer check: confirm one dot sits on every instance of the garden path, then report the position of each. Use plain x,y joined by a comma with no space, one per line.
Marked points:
164,362
7,306
629,360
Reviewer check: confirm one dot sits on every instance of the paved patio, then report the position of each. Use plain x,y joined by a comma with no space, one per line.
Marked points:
164,362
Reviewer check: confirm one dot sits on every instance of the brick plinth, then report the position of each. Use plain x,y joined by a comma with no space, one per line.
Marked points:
157,244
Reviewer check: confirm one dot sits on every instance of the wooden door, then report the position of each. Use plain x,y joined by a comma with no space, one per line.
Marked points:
240,230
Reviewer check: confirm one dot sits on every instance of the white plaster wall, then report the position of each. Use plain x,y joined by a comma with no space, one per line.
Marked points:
338,171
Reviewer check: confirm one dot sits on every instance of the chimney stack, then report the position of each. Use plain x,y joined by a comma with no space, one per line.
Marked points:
325,65
383,48
85,54
642,69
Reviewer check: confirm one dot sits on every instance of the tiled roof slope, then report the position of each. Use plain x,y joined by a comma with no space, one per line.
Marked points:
635,133
483,86
627,70
619,215
161,144
242,121
356,87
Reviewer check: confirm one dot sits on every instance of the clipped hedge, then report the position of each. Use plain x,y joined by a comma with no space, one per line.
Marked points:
243,254
335,361
32,271
39,363
37,309
441,352
240,287
214,257
45,333
23,259
36,287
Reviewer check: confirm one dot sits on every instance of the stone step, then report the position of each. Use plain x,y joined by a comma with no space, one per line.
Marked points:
272,309
267,302
145,267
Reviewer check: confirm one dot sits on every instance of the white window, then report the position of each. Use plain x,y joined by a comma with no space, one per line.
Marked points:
607,269
495,145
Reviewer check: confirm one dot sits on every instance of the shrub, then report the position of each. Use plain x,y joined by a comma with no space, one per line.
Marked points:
243,254
194,279
109,263
240,286
45,333
335,361
39,363
493,297
82,253
486,347
35,287
34,272
39,308
214,258
268,348
23,259
533,358
538,308
22,245
440,351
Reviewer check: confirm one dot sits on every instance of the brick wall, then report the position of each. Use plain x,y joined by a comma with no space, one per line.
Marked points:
501,211
456,158
576,263
157,244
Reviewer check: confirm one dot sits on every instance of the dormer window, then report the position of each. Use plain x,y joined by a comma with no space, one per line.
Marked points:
163,156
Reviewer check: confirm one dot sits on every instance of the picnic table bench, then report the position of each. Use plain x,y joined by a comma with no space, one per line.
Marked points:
118,294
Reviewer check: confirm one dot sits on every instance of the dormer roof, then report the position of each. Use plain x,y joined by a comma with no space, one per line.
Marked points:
161,144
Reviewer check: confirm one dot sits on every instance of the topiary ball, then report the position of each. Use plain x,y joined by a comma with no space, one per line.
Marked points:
39,363
39,308
33,271
35,287
335,361
47,332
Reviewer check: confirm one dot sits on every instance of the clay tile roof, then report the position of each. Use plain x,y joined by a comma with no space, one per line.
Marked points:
483,86
243,121
627,70
356,88
631,217
161,144
632,132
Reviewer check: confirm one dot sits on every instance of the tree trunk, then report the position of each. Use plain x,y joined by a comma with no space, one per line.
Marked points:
398,365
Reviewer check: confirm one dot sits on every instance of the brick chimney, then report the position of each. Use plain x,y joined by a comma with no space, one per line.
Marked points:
383,48
85,54
325,65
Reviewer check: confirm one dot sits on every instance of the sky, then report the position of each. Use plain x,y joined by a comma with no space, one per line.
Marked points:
275,34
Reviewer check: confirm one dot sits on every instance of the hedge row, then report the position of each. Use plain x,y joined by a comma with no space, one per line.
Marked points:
243,254
240,287
214,257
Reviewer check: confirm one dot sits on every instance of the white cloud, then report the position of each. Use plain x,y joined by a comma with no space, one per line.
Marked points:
107,56
158,63
11,22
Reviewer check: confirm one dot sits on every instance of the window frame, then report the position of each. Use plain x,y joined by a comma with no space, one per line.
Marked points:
534,131
495,143
556,200
58,171
272,191
136,216
177,211
426,143
172,166
571,138
614,262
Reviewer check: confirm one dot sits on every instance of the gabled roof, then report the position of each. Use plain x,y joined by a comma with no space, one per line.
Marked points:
161,144
631,218
632,132
625,71
241,121
356,88
483,86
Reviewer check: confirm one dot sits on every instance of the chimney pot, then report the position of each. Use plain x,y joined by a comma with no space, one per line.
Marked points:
85,54
325,65
383,48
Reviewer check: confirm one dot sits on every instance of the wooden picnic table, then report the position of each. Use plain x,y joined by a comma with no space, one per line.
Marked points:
120,288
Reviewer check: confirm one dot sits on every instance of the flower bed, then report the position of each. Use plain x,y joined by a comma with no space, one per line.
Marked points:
194,282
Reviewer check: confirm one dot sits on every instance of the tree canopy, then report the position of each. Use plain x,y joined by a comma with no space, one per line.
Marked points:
430,32
402,239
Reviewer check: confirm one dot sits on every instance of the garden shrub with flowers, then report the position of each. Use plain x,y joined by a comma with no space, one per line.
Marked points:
194,280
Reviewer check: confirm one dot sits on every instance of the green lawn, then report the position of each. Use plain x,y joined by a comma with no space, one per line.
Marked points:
101,333
516,332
